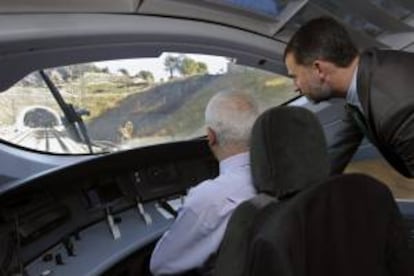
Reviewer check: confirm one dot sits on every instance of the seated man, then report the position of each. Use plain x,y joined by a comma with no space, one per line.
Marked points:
198,230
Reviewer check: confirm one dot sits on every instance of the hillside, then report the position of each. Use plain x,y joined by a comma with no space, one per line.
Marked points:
176,109
148,111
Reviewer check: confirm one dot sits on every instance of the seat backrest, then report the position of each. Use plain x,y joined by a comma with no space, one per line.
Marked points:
349,225
288,155
233,253
303,223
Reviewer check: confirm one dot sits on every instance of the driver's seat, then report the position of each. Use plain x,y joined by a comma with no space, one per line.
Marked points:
304,223
288,156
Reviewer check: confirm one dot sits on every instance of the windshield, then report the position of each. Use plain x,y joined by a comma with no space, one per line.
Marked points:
128,103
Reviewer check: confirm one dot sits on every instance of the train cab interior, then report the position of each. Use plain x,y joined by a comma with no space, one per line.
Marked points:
102,124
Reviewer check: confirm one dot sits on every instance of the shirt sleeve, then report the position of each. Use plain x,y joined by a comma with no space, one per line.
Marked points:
183,247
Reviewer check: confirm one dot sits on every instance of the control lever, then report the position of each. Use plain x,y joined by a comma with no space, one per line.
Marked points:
113,227
145,216
164,204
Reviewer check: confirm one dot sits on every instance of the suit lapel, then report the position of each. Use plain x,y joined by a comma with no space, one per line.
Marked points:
364,83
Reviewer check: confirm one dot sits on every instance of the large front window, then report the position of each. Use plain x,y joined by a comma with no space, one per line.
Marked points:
126,103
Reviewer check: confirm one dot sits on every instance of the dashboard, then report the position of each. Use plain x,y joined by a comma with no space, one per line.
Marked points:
83,218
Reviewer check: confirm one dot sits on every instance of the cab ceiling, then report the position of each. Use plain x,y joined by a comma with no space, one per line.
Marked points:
381,23
29,42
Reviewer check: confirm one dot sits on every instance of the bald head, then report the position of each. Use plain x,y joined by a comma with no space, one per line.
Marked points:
231,116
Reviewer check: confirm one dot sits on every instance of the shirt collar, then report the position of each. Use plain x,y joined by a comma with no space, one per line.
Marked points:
352,95
238,160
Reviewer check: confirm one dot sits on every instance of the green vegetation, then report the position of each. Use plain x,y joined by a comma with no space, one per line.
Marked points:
265,87
146,76
184,65
98,105
189,67
98,97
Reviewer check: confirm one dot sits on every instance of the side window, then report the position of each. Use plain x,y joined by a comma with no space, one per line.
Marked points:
400,186
128,103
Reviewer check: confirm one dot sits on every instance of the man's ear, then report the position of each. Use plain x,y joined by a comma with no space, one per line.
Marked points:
321,68
317,65
211,136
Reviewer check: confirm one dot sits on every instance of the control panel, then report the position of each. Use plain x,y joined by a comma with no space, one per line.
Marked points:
86,217
94,249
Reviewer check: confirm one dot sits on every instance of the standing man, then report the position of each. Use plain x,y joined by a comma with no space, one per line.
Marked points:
199,228
378,86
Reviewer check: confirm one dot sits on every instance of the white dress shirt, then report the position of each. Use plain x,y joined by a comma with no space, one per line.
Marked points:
352,97
200,225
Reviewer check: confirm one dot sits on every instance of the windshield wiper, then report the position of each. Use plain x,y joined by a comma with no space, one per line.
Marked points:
74,120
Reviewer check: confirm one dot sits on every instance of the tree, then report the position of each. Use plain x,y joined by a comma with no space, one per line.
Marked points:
202,68
105,70
185,66
172,63
146,76
123,72
189,67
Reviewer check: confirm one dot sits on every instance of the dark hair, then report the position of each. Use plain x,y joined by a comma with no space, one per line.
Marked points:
322,38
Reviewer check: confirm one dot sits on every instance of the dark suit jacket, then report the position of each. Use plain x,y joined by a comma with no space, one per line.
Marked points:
385,86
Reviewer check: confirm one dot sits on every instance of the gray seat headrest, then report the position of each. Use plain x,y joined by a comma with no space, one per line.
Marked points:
288,151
